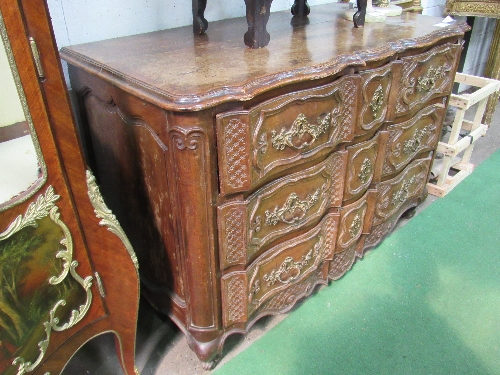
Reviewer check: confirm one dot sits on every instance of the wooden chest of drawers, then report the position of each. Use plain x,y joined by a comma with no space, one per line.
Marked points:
246,177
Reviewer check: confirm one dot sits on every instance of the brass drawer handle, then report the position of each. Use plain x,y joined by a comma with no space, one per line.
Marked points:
355,225
289,268
401,195
411,145
427,82
377,101
299,128
292,204
366,170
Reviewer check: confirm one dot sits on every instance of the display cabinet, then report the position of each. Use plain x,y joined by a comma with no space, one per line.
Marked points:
67,270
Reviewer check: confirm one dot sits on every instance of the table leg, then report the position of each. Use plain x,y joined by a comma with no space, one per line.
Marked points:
257,17
200,24
359,16
300,8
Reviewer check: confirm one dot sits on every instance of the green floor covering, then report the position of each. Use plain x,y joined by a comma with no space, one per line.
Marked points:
425,301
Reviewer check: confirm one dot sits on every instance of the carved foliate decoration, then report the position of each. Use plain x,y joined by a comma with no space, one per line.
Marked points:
287,213
108,219
45,206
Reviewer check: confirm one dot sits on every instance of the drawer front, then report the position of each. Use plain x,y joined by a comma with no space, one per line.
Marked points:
281,267
355,220
396,192
409,138
378,95
426,76
258,144
364,165
288,204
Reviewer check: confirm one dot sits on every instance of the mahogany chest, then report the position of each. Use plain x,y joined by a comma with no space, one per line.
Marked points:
244,178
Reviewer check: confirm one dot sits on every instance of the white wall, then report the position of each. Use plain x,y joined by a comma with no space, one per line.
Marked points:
433,7
479,46
81,21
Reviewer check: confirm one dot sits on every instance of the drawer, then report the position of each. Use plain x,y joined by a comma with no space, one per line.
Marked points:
288,204
255,145
409,138
393,194
378,89
281,267
364,165
355,220
426,76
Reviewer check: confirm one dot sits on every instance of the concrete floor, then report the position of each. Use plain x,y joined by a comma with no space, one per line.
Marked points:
162,348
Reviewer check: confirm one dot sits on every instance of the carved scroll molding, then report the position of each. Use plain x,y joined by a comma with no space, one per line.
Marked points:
291,261
396,192
412,137
108,219
425,76
286,144
42,207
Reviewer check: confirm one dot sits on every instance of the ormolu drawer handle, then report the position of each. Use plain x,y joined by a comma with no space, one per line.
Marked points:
289,268
365,171
401,195
377,100
299,128
355,225
427,82
292,204
411,145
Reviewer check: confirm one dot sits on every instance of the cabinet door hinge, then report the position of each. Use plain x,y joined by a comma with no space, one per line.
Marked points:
36,57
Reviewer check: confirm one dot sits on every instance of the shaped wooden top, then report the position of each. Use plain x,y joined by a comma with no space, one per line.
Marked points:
177,70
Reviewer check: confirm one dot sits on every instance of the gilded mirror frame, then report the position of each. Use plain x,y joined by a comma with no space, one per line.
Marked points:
39,182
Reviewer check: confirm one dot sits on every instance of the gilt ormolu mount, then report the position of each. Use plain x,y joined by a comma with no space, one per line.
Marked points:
257,16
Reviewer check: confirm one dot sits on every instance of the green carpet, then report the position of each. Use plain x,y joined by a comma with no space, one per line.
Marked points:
425,301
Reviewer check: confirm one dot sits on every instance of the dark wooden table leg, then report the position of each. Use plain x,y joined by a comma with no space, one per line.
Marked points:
257,17
300,8
200,24
359,16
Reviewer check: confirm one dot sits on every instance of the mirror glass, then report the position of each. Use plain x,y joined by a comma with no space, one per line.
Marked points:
21,166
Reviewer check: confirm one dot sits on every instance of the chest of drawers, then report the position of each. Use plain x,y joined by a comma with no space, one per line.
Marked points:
244,178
